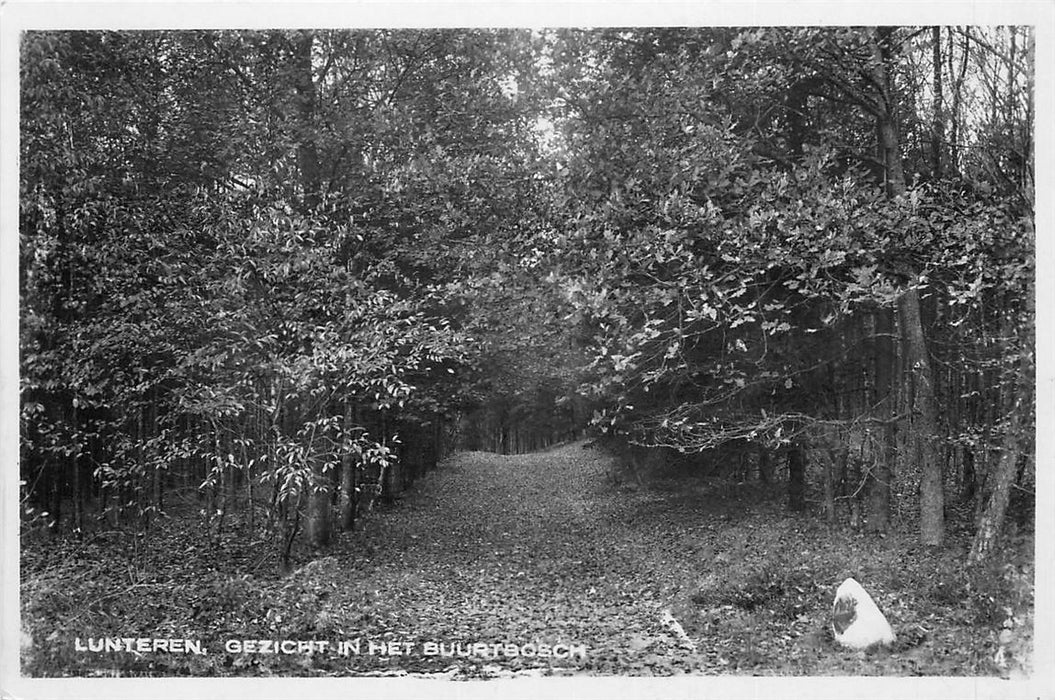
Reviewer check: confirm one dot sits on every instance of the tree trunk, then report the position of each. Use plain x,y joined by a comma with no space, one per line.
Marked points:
75,470
937,134
924,407
141,496
349,502
885,357
319,520
54,490
157,482
932,497
957,92
888,141
1017,439
969,481
307,151
764,466
349,487
318,526
250,500
288,534
796,478
831,467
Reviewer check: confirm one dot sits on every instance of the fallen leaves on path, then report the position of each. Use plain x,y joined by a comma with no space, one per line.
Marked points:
531,552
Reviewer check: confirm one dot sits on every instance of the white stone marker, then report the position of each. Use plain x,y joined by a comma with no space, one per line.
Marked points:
856,620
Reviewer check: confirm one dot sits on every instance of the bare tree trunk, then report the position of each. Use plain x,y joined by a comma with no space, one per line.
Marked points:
289,528
957,96
937,134
831,468
318,525
249,496
161,467
349,502
796,478
54,483
764,466
932,496
75,469
319,502
349,486
1016,441
319,520
884,357
924,407
141,495
307,152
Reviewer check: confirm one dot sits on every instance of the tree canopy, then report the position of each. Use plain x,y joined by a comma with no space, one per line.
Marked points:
311,261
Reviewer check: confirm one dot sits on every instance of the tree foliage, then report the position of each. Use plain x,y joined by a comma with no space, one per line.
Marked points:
286,264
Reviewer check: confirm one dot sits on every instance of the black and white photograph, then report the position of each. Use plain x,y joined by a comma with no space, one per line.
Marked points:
492,349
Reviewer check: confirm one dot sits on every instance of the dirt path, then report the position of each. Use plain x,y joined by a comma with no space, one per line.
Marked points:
525,550
518,553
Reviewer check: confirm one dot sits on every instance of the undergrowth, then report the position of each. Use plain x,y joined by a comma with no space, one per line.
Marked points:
539,548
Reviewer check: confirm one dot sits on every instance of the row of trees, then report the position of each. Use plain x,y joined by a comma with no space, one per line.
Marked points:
817,242
287,268
250,264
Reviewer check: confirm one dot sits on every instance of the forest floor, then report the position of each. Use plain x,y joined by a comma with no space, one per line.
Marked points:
524,552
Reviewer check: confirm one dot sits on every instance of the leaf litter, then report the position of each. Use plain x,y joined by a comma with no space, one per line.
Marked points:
542,549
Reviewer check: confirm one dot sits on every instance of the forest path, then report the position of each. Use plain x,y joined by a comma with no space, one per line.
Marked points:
536,549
